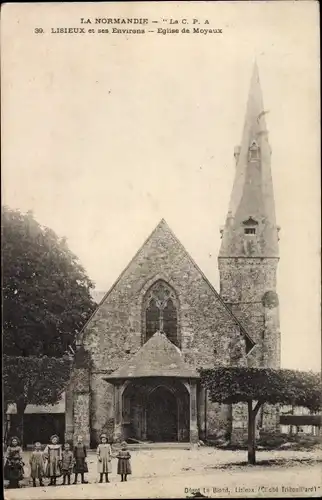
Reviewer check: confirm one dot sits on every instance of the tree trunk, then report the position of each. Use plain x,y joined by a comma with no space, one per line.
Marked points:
229,422
21,406
292,427
251,434
5,421
251,431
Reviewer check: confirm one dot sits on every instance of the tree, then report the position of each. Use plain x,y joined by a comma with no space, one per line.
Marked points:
46,302
256,386
46,292
34,380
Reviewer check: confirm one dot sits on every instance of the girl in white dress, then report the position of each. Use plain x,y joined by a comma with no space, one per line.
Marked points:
104,455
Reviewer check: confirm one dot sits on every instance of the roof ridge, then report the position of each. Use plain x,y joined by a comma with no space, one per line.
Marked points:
162,222
174,364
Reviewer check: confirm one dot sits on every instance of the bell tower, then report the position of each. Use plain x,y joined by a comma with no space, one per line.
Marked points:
249,252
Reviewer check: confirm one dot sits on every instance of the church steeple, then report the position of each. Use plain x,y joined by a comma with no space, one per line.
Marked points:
250,229
248,257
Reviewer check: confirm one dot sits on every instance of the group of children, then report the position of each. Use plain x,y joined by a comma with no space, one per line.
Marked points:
55,462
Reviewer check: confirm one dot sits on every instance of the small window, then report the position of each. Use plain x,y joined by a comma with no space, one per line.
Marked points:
250,230
254,151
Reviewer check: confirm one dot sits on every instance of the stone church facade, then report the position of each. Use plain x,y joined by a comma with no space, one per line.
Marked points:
138,355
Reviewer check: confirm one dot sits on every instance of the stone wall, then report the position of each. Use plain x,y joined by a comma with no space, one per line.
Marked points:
218,420
78,405
271,417
81,417
248,286
102,407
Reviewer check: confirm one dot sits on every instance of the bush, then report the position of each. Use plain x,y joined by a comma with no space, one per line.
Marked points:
273,440
270,441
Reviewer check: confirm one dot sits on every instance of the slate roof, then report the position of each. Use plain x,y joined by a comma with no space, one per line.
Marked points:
158,357
252,195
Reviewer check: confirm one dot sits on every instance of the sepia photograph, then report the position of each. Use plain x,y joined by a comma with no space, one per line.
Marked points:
161,244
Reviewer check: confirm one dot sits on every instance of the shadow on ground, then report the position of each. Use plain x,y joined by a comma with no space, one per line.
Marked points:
277,462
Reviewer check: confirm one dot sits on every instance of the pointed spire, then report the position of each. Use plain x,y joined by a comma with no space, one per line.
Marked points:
251,225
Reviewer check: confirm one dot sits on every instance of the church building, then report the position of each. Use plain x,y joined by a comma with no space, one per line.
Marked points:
136,370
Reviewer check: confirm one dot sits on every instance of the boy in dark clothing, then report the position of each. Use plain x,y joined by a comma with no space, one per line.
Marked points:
67,463
80,464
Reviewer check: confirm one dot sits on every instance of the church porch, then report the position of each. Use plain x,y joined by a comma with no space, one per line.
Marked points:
155,395
156,409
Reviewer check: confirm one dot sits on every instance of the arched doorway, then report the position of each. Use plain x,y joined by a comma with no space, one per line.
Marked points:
162,415
156,409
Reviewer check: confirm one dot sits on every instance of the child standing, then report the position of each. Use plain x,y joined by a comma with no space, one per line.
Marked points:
104,454
124,463
13,469
67,463
53,455
37,465
80,464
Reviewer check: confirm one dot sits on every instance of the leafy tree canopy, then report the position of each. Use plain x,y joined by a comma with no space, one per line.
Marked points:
241,384
35,380
262,385
46,292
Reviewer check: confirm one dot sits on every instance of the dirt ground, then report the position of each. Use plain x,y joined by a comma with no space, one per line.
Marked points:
186,473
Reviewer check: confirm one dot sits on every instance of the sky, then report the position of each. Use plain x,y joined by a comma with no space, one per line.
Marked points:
103,135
